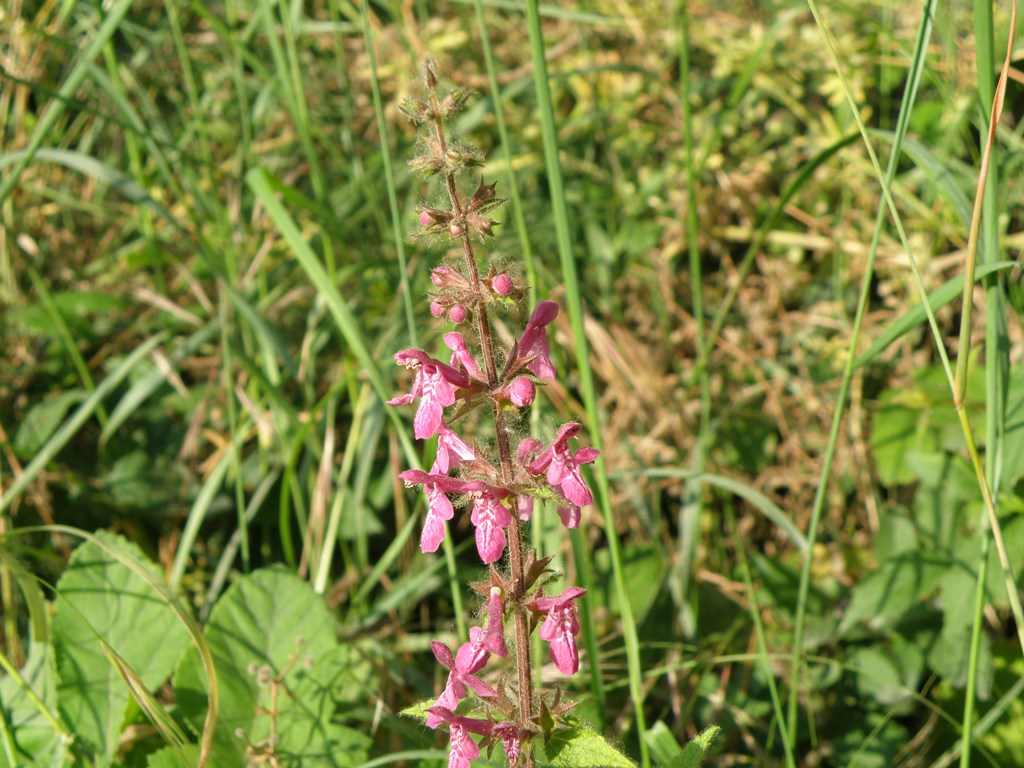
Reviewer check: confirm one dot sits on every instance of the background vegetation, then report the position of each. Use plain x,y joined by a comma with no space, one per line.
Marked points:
206,266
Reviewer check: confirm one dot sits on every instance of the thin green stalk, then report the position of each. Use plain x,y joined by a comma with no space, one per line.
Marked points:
994,328
389,175
799,622
762,647
572,291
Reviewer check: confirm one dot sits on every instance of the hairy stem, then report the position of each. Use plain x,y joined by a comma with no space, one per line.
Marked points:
522,628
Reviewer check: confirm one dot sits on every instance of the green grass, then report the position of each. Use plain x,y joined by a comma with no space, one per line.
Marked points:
207,265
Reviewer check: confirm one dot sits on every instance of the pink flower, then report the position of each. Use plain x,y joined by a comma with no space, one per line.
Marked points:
463,748
439,508
462,671
451,450
502,284
533,345
520,392
490,517
524,507
510,741
560,628
563,469
462,358
435,385
494,632
457,313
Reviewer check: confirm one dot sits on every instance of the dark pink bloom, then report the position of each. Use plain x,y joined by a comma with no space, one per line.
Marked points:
463,748
439,508
435,385
457,313
502,285
462,358
524,507
490,517
529,448
462,671
451,450
494,632
561,627
563,468
520,392
533,345
510,741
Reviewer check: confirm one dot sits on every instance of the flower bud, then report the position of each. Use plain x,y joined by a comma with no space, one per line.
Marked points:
457,313
528,449
502,285
521,392
436,309
454,229
439,275
426,219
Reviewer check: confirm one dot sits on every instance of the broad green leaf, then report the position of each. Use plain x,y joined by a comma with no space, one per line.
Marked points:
102,602
663,744
273,621
169,758
889,675
694,753
35,741
42,420
883,597
579,746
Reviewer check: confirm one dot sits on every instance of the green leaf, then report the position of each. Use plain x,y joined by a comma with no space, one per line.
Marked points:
579,745
882,598
916,315
663,744
42,420
102,602
36,742
170,758
274,620
695,752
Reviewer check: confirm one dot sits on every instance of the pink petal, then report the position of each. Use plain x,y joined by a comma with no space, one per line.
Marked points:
432,534
490,542
570,515
576,490
524,507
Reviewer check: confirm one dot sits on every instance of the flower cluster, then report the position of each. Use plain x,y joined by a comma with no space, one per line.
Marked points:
499,487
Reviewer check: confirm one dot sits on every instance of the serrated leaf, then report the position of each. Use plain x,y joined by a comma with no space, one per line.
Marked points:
101,600
663,744
580,745
418,710
259,622
693,754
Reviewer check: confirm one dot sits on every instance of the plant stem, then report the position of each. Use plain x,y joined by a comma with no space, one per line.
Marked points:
524,675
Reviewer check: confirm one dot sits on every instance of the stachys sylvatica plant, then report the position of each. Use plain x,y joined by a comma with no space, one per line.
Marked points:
483,382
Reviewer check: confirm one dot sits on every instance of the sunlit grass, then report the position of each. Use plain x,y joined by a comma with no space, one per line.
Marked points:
206,266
